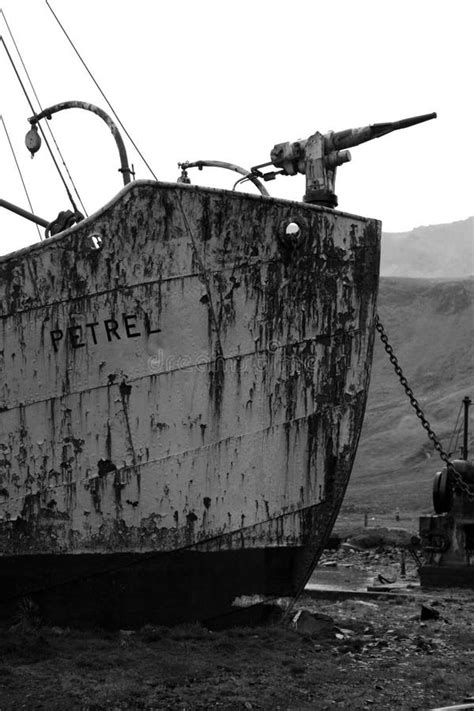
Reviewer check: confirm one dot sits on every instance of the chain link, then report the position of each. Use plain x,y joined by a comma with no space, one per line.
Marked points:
456,476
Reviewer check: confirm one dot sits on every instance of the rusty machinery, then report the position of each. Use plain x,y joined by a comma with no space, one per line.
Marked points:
316,157
447,536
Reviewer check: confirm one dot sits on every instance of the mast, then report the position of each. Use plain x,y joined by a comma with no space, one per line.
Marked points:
464,451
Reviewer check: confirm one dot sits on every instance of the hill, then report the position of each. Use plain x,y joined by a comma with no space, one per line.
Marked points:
445,251
429,323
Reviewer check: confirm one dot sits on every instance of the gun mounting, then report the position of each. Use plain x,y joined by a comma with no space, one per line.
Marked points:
318,156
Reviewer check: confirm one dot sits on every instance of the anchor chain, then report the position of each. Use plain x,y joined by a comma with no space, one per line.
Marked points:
456,476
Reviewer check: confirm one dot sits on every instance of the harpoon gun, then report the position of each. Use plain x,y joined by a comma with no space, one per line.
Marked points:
318,156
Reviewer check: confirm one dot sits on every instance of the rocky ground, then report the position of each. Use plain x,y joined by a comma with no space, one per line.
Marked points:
409,650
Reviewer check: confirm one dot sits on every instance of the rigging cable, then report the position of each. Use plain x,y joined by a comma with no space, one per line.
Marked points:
41,108
40,127
100,90
19,170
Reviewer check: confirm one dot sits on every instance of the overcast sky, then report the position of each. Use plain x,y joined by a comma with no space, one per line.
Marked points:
209,79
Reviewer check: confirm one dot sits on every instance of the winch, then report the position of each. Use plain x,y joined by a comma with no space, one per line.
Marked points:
447,536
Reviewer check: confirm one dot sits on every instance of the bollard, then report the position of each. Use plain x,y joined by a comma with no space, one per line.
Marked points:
403,571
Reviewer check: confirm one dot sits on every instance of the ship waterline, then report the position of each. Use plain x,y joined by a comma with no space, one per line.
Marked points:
183,378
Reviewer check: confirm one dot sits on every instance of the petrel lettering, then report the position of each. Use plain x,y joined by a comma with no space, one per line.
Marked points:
106,330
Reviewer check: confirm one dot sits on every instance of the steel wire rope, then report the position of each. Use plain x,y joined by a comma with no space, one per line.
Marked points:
40,127
41,108
18,168
153,554
100,90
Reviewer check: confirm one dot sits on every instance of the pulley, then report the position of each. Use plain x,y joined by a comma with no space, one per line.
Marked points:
33,140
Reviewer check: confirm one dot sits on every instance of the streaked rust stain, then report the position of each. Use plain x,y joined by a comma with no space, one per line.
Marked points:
199,379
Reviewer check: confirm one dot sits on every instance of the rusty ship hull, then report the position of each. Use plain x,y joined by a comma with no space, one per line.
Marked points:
183,380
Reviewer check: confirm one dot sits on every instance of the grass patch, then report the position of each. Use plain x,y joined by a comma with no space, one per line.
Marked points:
189,631
25,646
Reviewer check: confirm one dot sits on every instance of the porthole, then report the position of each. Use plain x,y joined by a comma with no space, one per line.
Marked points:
293,230
95,241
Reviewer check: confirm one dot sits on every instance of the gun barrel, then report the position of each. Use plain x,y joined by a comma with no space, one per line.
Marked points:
354,136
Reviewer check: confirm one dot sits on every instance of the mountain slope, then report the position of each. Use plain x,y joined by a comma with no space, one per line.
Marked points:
430,324
434,251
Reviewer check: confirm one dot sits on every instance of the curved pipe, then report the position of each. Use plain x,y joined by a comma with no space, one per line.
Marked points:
230,166
47,113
